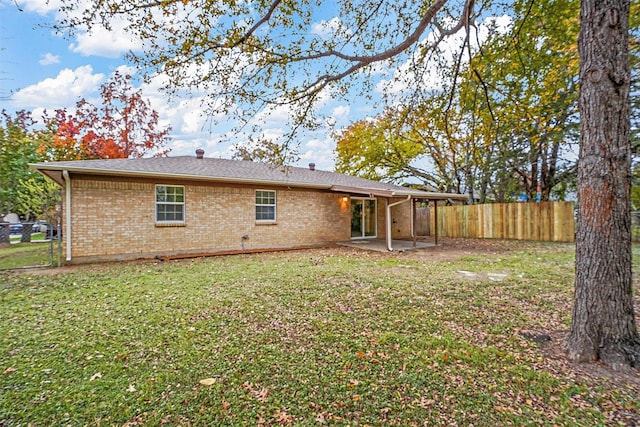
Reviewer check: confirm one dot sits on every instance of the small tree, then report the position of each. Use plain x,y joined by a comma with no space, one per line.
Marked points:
17,150
124,125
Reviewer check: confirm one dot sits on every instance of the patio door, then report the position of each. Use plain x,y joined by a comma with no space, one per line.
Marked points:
363,218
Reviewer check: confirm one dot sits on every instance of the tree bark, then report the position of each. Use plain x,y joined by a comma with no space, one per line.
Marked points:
603,325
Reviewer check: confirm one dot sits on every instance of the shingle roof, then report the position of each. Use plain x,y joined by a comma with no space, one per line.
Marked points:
234,171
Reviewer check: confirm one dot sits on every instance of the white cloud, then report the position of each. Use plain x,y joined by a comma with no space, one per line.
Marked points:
108,44
340,112
184,114
49,58
59,92
189,115
330,28
502,25
41,7
190,127
98,42
127,69
272,134
319,151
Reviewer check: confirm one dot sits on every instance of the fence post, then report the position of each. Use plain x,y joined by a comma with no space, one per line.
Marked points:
27,228
5,234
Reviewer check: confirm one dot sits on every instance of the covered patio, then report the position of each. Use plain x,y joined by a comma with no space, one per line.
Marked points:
394,198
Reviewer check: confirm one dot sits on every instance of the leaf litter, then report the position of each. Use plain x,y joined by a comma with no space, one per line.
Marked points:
332,335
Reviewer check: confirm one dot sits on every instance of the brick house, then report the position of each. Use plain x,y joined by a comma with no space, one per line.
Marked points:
142,208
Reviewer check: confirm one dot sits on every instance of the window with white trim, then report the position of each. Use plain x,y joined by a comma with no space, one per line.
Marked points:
169,203
265,206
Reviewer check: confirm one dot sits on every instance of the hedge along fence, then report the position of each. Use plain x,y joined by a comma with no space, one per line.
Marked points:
544,221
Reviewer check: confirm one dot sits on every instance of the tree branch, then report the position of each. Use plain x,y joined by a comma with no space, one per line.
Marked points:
362,61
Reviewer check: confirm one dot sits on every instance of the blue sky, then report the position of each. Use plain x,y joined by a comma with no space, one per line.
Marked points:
42,70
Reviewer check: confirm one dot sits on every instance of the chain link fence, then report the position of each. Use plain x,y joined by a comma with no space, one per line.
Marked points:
635,226
29,245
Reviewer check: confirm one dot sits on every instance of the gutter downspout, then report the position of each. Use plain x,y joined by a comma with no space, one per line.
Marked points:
388,218
412,211
67,203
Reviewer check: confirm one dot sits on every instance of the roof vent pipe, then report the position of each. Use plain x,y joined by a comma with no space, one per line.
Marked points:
312,166
199,153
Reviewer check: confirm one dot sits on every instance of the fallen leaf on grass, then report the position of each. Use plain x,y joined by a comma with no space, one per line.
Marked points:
95,376
9,371
208,381
261,394
324,417
282,417
425,402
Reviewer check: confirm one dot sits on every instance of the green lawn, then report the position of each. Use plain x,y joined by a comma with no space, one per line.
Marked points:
320,337
35,253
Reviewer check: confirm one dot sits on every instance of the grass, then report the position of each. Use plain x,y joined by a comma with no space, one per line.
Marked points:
35,253
335,337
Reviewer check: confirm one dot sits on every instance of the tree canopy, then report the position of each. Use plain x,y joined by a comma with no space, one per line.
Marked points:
504,125
16,151
277,54
122,125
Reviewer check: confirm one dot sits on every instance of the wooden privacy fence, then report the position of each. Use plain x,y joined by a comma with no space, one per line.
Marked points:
544,221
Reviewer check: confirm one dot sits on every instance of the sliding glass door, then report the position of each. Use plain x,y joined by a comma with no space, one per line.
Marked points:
363,218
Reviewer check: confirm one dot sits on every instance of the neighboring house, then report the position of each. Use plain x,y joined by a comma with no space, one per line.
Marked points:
168,206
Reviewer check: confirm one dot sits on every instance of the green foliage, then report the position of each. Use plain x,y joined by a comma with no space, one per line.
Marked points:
17,150
39,197
301,338
506,124
377,149
532,74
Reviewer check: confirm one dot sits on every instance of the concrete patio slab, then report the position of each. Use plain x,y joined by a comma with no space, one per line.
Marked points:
380,245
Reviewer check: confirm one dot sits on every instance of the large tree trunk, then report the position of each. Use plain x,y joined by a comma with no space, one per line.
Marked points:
603,325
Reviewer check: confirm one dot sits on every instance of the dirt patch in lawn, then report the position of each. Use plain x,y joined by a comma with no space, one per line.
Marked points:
554,360
453,249
447,250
